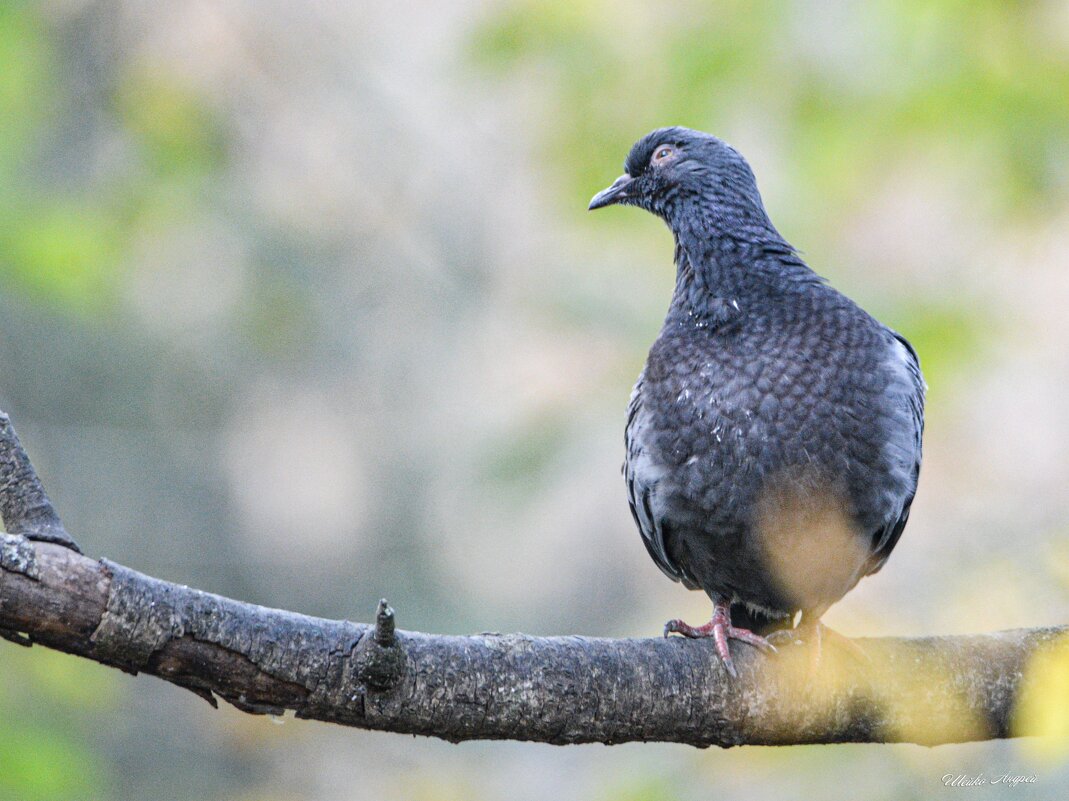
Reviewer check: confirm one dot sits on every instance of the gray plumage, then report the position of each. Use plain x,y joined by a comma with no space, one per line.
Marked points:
773,440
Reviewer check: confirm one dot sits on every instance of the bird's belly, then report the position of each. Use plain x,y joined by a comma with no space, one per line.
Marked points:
761,510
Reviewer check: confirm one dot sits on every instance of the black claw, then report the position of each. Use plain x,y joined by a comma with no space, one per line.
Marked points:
729,666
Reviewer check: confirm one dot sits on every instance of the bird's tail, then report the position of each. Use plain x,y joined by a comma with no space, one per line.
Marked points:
758,622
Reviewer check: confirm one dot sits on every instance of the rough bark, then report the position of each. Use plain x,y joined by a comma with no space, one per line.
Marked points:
549,689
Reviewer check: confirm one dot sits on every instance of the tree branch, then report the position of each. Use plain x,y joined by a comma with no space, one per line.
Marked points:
23,503
549,689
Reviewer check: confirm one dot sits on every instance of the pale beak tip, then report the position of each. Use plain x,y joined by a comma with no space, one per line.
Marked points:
613,194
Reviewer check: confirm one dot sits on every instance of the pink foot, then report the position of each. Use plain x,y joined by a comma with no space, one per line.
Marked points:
721,630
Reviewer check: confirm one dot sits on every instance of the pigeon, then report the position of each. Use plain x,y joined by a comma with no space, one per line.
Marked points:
773,439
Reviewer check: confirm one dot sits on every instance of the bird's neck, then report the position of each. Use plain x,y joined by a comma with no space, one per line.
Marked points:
720,273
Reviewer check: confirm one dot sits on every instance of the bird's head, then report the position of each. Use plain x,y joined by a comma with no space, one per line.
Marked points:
677,172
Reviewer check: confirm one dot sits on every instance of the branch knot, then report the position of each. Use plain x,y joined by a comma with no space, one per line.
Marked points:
379,656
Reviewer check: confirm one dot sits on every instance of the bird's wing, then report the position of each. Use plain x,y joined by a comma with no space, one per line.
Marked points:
641,475
911,396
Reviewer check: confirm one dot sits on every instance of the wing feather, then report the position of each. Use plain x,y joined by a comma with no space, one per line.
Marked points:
641,476
885,538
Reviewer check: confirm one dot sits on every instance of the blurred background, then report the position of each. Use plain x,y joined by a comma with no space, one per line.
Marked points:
300,303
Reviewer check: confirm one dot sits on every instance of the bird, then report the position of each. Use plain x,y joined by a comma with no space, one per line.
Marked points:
773,438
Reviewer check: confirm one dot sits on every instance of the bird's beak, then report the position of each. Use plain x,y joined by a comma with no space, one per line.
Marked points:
614,194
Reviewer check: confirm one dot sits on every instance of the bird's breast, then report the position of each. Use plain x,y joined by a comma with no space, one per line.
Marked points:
728,410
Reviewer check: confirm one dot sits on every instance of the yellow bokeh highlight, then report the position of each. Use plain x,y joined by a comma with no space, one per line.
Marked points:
1042,711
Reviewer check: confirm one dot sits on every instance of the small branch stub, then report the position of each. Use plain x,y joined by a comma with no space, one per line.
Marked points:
24,505
385,625
380,657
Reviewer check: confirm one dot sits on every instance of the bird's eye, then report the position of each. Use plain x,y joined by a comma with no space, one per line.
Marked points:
662,153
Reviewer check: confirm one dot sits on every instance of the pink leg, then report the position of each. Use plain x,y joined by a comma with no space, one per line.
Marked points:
721,630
